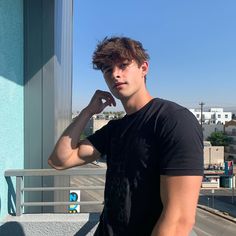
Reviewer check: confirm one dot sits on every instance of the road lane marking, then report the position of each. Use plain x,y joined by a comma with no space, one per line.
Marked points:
201,231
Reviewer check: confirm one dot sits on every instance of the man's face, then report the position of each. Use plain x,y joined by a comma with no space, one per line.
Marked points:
125,78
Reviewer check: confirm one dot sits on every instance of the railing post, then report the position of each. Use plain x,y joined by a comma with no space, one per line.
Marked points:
19,195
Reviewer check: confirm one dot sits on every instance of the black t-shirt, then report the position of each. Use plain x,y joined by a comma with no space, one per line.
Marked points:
162,138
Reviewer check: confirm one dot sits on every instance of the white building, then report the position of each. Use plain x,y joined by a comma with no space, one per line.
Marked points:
209,129
212,116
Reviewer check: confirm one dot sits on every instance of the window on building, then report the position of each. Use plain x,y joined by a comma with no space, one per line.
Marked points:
198,115
226,116
219,116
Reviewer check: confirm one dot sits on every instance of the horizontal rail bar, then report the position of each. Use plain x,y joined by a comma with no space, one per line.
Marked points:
63,188
61,203
217,189
77,171
52,172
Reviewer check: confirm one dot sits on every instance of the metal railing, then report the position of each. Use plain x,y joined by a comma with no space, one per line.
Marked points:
20,189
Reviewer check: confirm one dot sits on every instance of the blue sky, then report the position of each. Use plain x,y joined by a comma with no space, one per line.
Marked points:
191,43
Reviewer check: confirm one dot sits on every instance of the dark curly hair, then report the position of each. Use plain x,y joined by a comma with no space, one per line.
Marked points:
115,49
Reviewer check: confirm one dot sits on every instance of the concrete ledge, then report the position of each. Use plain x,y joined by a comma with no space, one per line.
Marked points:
50,224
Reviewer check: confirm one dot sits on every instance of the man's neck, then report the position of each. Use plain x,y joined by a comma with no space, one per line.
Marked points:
135,103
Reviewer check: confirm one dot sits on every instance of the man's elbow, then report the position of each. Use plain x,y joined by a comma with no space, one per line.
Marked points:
57,166
185,224
177,226
182,225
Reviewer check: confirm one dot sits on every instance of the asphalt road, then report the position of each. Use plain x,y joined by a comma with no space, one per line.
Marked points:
208,224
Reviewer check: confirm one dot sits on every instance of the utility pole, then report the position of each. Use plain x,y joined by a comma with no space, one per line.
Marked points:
201,104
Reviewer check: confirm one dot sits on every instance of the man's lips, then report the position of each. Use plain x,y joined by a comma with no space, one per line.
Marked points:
117,85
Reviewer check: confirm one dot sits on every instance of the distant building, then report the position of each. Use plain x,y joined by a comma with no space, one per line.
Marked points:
217,172
212,116
94,124
230,130
213,157
209,129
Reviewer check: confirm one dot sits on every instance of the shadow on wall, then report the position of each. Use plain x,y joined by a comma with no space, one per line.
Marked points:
11,228
93,220
25,31
12,43
11,199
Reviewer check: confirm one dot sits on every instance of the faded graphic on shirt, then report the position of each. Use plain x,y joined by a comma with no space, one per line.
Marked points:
117,201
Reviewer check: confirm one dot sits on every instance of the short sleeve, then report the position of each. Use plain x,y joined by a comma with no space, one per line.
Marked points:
181,145
100,139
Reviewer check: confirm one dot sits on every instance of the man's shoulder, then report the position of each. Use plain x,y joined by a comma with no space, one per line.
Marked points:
172,111
167,105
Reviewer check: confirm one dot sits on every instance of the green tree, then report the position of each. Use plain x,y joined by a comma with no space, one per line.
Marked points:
219,139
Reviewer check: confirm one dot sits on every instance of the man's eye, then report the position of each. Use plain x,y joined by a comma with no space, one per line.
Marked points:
107,70
123,66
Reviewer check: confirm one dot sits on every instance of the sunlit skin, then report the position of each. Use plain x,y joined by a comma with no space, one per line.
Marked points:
126,81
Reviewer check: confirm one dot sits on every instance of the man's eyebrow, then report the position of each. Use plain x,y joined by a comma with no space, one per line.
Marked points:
104,68
108,67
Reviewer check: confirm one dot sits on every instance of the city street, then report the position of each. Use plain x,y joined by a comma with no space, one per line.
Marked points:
220,199
207,224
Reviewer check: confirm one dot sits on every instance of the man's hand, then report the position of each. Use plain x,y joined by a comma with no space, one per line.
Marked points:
99,101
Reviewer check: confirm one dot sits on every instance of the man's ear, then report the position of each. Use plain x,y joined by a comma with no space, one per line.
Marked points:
144,68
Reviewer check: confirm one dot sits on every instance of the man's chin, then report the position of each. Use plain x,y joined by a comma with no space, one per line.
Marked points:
119,96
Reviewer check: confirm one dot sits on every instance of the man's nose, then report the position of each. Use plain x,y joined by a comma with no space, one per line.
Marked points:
116,72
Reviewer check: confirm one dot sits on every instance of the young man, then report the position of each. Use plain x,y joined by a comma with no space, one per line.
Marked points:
154,154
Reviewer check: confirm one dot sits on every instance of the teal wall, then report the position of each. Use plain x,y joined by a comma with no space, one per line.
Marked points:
11,93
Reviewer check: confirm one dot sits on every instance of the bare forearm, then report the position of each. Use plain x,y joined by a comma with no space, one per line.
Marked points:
69,140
